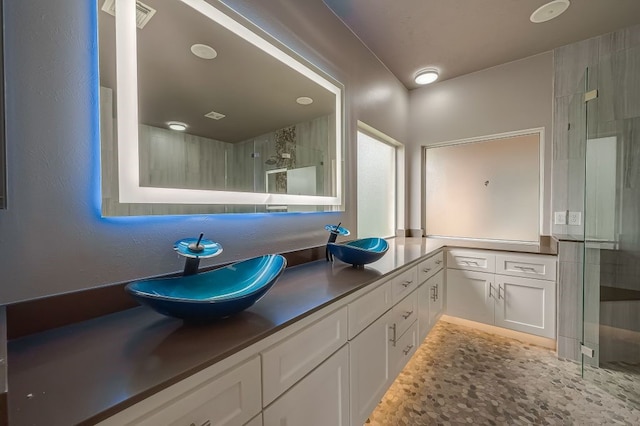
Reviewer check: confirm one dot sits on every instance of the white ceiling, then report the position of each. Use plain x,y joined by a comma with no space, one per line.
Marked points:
462,36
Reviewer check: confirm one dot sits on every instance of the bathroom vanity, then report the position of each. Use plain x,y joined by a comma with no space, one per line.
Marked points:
321,347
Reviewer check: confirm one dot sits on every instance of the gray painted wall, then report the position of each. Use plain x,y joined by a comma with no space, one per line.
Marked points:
514,96
52,239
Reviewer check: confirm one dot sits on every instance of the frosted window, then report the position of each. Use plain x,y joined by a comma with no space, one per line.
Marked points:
485,190
376,188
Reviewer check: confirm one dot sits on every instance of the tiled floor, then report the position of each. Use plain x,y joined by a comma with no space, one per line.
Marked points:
463,376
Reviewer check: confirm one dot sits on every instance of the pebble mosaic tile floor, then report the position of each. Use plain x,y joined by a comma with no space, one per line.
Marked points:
463,376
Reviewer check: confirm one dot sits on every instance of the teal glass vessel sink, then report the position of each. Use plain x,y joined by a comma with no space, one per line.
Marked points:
214,294
359,252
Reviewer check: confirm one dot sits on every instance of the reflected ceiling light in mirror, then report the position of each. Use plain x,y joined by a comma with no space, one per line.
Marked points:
204,51
426,76
548,11
304,100
177,125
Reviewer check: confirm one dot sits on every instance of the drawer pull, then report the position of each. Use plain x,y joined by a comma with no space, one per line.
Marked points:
437,262
407,350
407,283
525,268
490,290
393,339
426,269
207,423
500,291
434,289
470,263
407,314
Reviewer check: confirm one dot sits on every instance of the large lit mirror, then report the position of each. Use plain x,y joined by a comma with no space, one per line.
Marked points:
202,112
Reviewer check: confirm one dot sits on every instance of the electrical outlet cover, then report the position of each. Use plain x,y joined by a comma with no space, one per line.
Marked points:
560,218
575,218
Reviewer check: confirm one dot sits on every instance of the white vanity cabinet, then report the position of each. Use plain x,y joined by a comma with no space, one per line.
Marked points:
320,399
506,298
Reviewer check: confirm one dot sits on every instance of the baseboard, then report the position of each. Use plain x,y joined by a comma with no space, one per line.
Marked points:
545,342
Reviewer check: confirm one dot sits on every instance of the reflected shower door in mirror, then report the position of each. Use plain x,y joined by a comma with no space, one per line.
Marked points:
199,107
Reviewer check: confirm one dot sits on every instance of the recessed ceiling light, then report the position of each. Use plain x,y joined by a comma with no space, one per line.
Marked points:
177,125
426,76
548,11
304,100
203,51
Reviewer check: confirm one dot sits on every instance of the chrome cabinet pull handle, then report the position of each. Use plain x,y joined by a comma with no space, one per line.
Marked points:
426,269
500,291
407,283
393,339
490,288
407,349
438,262
407,314
434,288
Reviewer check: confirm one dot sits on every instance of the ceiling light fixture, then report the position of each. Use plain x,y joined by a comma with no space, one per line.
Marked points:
304,100
426,76
177,125
204,51
548,11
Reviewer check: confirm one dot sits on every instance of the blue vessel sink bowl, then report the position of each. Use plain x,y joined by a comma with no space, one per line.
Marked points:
211,295
359,252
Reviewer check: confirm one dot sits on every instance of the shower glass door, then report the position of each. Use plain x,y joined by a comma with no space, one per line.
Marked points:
611,274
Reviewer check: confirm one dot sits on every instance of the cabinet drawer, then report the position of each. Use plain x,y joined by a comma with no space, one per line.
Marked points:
404,314
404,284
232,398
368,308
528,266
290,360
429,267
404,349
471,260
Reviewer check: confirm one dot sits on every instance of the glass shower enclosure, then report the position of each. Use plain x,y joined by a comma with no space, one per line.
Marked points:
607,144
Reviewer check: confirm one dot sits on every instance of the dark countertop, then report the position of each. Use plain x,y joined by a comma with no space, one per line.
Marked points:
86,372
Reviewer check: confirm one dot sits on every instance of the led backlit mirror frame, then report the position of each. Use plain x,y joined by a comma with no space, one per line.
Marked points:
130,190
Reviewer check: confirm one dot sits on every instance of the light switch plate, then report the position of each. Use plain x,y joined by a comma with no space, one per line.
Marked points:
560,218
575,218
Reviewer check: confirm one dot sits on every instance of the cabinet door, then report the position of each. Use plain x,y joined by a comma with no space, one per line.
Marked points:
320,399
527,305
436,297
470,295
425,293
369,368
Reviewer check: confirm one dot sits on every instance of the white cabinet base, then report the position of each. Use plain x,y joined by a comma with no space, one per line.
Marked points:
512,334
